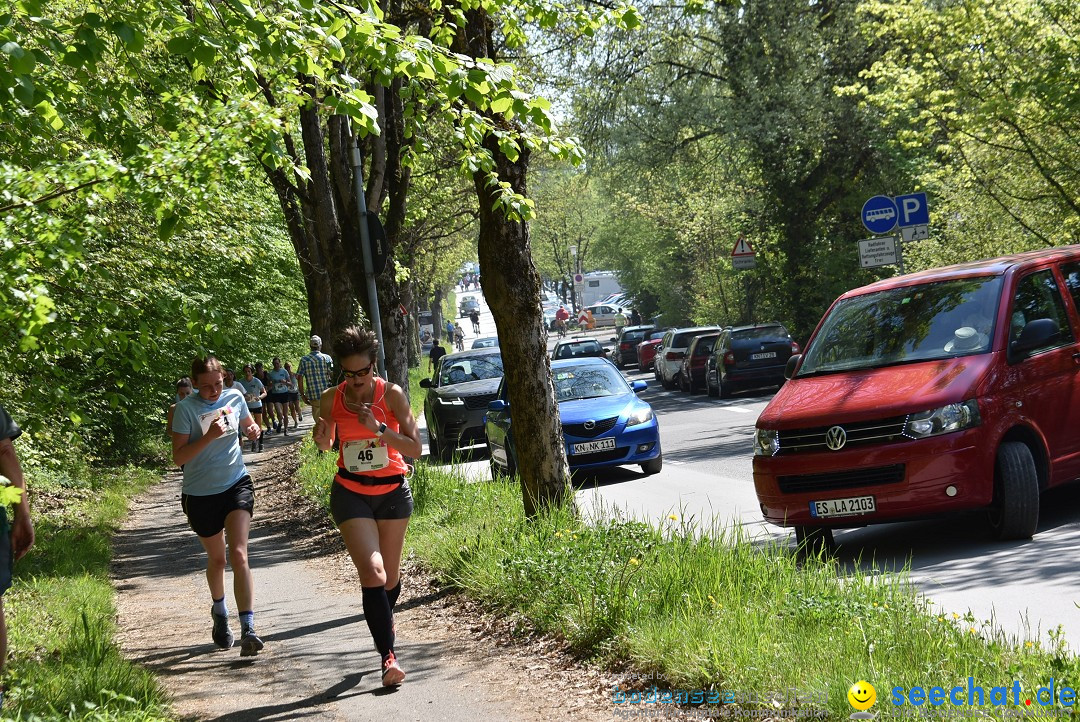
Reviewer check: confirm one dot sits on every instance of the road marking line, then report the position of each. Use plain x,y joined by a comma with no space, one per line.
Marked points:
736,409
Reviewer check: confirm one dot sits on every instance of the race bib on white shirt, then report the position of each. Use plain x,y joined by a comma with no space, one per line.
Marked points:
228,412
365,455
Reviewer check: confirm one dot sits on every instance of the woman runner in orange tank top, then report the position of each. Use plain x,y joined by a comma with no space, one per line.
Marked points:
370,498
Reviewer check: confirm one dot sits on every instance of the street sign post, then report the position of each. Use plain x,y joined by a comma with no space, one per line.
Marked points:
883,251
879,214
743,257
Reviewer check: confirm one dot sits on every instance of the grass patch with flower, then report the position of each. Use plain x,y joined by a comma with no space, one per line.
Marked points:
705,608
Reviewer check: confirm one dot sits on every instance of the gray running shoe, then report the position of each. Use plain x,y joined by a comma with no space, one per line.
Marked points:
250,644
223,636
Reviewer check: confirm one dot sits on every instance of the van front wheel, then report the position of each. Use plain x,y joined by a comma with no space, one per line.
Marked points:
1014,513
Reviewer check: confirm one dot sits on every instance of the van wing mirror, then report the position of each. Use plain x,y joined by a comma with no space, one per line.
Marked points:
792,364
1036,334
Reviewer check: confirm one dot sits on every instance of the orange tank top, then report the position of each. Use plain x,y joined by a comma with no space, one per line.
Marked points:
363,447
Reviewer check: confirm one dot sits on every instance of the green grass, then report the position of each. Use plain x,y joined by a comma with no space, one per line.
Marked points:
60,610
416,393
707,610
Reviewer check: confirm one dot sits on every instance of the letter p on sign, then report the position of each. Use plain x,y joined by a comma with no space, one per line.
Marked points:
913,210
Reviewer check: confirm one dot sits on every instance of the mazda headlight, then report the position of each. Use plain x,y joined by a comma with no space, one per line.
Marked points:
766,442
947,419
640,417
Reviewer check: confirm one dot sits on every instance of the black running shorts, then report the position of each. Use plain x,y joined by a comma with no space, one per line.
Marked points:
206,514
282,398
346,504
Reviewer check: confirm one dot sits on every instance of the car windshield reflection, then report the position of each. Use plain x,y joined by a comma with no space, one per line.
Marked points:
587,382
925,322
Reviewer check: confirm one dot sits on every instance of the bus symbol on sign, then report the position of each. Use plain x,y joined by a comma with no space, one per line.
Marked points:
879,214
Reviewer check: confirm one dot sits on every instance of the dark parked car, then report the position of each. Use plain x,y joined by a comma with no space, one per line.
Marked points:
468,305
749,357
604,423
578,348
646,350
457,398
692,375
626,344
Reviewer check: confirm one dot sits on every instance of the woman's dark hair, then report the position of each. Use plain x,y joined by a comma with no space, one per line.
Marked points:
183,383
355,340
204,365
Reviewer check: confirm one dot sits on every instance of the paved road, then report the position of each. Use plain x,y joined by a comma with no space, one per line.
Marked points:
1026,588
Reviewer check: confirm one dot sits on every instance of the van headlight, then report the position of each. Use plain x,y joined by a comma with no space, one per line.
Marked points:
947,419
640,417
766,442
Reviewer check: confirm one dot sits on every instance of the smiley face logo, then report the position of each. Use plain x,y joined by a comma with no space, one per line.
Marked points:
862,695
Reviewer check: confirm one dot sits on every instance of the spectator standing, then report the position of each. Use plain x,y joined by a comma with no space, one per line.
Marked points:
450,332
16,535
313,375
620,321
635,317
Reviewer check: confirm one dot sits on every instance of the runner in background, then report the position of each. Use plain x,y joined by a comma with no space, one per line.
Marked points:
183,390
294,397
232,383
254,393
279,396
218,495
268,408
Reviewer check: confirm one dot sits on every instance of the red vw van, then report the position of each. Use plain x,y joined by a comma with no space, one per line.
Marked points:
950,389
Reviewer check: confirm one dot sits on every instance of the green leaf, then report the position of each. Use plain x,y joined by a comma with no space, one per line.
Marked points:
502,104
168,226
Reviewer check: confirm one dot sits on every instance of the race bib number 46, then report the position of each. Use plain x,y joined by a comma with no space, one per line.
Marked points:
365,455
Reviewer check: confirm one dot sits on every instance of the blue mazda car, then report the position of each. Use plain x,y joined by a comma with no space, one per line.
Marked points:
604,422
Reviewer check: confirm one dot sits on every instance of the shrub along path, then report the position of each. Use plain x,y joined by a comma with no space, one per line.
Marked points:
319,660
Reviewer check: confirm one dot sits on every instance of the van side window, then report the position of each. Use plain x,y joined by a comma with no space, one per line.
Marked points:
1071,271
1038,296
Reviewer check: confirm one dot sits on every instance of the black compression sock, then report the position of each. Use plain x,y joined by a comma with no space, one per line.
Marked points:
378,616
392,594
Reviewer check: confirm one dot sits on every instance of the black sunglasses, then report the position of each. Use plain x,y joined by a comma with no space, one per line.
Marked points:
357,374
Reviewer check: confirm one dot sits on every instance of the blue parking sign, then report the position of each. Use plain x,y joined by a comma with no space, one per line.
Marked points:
912,210
879,214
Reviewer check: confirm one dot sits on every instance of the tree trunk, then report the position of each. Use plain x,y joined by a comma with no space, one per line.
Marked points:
511,286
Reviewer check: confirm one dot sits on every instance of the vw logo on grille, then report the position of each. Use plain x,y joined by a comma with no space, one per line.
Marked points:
835,438
589,425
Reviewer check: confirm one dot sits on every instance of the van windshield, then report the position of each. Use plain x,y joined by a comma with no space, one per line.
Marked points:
929,321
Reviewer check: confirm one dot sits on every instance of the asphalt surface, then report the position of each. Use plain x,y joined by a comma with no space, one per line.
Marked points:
1024,589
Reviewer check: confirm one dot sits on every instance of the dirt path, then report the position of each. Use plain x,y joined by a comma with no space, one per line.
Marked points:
319,661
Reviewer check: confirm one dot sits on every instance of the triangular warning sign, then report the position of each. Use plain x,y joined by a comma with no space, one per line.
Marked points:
742,247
